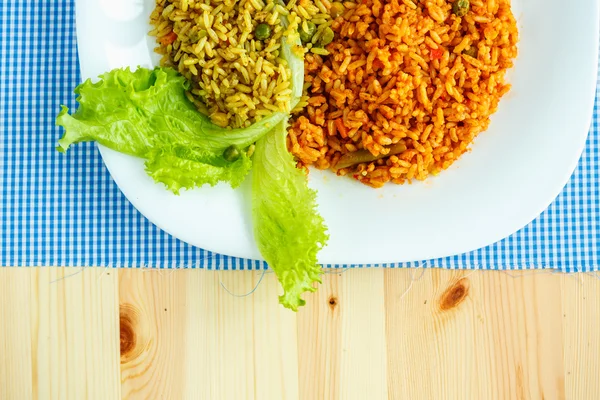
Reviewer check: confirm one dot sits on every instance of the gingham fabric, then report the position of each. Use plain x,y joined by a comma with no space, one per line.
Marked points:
58,210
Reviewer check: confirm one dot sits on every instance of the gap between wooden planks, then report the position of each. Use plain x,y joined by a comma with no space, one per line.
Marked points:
132,334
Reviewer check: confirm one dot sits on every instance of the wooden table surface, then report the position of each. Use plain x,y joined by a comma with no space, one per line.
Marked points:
366,334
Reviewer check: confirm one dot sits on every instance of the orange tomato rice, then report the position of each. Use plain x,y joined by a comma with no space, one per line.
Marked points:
406,88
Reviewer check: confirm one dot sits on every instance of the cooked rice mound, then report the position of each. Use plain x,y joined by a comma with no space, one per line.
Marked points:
236,78
406,88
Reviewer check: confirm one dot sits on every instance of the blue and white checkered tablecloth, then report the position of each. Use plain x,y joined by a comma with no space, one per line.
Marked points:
58,210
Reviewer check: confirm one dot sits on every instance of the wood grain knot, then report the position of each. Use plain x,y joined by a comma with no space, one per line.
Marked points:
129,326
333,301
455,295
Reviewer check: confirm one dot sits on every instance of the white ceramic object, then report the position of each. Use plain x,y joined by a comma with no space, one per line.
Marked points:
512,174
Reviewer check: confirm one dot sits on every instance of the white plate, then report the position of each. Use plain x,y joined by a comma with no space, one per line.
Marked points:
513,173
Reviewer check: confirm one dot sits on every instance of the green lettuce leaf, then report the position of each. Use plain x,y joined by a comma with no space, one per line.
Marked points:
179,170
147,114
295,63
287,228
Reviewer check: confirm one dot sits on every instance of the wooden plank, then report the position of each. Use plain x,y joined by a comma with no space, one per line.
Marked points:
74,324
16,380
151,320
581,322
341,335
186,337
523,328
64,328
457,335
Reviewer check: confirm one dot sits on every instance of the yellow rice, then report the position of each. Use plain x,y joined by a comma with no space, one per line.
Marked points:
236,79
